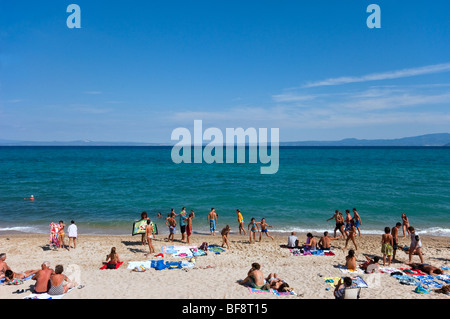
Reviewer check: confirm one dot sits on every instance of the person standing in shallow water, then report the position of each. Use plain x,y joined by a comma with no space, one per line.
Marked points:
357,220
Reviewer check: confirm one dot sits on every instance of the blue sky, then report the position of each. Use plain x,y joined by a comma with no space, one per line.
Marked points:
137,70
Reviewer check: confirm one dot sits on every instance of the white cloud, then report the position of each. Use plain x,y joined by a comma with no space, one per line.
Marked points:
429,69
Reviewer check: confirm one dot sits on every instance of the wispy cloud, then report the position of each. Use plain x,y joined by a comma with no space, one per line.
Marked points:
429,69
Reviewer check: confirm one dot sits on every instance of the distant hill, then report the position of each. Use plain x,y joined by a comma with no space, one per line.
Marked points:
438,139
74,143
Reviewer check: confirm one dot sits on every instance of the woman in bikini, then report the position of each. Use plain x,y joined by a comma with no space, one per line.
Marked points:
225,232
112,259
405,221
351,234
149,233
61,234
253,227
57,286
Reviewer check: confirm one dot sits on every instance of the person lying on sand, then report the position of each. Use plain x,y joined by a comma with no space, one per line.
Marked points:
431,270
274,282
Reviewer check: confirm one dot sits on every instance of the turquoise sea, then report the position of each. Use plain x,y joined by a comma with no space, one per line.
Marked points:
104,189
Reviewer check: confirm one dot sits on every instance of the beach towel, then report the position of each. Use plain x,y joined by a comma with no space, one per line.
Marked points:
145,264
406,280
139,227
271,291
178,251
117,265
410,271
216,249
445,267
390,270
20,281
430,281
444,278
357,282
54,234
350,271
197,252
46,295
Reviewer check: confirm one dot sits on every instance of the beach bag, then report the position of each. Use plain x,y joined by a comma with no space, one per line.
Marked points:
204,246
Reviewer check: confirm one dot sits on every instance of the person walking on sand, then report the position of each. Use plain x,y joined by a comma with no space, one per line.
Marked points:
357,220
415,248
394,233
264,229
348,219
339,223
171,223
253,228
149,234
189,226
212,218
225,232
386,245
72,232
240,222
405,227
351,235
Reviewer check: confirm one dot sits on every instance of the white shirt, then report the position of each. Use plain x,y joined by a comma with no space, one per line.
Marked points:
72,230
292,241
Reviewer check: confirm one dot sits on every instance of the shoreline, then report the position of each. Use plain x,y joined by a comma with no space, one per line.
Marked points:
214,276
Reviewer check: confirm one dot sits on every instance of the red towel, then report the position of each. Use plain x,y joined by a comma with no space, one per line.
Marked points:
117,265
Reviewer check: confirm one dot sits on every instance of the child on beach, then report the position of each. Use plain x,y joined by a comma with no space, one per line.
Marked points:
240,222
264,229
171,223
254,228
61,234
225,232
149,233
386,245
394,234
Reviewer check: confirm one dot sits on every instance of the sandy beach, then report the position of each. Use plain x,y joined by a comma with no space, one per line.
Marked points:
214,276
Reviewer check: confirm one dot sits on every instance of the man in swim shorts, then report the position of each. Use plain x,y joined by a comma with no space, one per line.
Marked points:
212,218
171,223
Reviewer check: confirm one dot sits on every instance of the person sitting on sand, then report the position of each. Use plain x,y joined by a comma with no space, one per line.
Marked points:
225,232
339,291
112,259
431,270
370,265
325,241
57,286
311,243
350,260
292,241
42,278
255,278
3,265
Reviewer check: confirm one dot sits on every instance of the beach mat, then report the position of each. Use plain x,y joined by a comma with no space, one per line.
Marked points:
216,249
271,291
345,270
357,282
46,295
117,265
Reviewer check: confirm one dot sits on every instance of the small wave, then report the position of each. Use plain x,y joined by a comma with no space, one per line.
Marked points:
22,229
